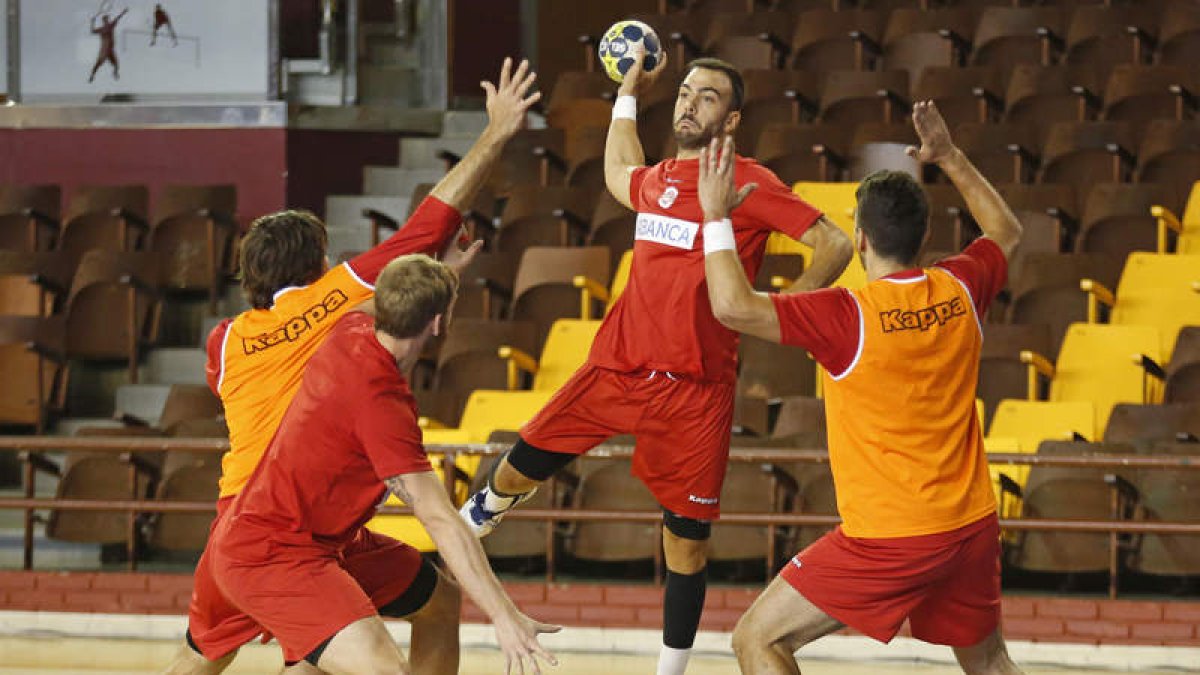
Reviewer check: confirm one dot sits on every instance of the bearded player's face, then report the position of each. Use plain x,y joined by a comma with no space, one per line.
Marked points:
702,108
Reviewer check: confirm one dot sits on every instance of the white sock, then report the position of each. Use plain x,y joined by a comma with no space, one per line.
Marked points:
498,503
673,661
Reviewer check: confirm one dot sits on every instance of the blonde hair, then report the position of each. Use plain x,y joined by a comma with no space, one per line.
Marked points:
411,290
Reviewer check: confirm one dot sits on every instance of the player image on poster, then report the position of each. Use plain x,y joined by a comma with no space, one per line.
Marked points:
143,48
104,25
163,20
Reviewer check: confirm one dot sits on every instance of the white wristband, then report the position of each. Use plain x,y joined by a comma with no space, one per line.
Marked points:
718,236
625,108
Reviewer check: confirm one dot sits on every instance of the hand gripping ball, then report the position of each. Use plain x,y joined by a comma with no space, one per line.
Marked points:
617,48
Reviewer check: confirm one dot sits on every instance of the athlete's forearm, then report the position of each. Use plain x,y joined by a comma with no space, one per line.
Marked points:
832,251
734,301
994,216
459,187
459,548
622,153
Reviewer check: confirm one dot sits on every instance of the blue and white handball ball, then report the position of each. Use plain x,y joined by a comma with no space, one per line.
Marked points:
617,48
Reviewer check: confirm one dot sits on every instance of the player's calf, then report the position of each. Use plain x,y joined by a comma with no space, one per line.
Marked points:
503,491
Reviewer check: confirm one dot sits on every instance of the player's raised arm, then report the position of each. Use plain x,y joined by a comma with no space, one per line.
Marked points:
623,150
507,103
994,216
734,302
516,633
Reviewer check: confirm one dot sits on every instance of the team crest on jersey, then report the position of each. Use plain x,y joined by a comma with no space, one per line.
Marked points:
668,197
665,230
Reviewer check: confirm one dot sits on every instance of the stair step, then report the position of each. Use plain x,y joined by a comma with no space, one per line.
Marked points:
421,153
347,240
385,84
346,210
315,88
175,365
463,123
207,325
386,50
143,401
395,181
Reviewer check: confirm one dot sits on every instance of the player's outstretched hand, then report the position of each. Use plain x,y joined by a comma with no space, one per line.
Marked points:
935,136
637,79
518,637
458,258
718,194
507,102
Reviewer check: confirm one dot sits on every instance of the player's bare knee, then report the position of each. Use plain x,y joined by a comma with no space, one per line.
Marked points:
685,543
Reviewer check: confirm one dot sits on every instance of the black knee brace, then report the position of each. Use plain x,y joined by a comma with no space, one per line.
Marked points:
416,595
535,463
686,528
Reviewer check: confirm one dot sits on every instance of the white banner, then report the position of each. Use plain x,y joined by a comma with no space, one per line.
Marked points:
87,49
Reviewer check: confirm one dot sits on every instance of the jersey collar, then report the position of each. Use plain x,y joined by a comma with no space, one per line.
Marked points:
905,276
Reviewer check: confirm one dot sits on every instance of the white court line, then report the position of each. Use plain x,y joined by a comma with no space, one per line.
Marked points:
642,642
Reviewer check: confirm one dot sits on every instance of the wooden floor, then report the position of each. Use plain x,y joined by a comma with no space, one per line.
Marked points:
93,656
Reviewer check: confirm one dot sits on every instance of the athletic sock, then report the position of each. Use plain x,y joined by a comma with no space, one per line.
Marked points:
497,501
673,661
683,602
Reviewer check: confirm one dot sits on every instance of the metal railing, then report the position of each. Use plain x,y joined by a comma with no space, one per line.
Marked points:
33,449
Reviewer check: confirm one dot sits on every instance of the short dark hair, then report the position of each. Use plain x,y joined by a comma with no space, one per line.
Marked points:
280,250
893,213
409,292
735,77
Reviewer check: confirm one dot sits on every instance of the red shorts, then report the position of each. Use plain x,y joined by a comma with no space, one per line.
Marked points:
682,428
299,602
947,584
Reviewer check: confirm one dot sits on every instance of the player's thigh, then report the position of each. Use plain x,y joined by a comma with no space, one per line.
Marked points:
593,405
781,615
683,448
364,646
385,568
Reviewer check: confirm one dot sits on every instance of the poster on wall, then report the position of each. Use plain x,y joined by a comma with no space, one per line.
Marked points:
86,50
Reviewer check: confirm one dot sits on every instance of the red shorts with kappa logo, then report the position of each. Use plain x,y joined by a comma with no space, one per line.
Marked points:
682,428
308,603
947,584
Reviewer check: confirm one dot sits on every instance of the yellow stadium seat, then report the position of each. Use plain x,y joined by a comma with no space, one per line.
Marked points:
407,528
837,202
1007,508
1103,364
1187,228
486,411
619,279
589,288
566,349
1020,426
1156,289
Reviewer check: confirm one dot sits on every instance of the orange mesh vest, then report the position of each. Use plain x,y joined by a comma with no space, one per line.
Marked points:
263,359
904,440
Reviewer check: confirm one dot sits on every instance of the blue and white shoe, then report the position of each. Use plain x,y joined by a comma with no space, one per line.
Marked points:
484,509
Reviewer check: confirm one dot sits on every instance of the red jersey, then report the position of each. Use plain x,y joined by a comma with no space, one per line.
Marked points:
352,424
663,320
901,359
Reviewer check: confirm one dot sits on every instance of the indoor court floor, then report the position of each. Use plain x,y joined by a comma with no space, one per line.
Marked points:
94,656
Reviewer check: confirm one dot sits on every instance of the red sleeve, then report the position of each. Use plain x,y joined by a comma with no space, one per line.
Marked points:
215,347
982,268
635,186
426,231
826,322
387,428
775,206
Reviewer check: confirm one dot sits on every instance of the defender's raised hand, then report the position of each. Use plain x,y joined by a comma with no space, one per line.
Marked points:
935,136
637,79
718,194
507,102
